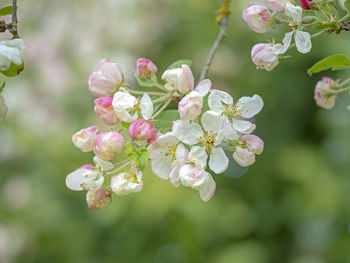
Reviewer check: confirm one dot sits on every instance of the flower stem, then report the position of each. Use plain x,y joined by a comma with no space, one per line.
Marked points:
163,107
151,93
224,12
342,84
344,18
339,90
161,99
159,86
119,168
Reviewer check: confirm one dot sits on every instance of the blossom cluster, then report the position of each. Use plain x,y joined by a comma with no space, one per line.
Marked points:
187,148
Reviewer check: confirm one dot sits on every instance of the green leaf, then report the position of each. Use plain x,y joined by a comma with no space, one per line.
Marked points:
146,82
333,25
179,63
166,118
347,6
2,86
126,125
14,70
7,10
142,158
334,62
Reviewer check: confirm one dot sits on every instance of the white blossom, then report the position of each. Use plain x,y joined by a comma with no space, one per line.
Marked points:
11,51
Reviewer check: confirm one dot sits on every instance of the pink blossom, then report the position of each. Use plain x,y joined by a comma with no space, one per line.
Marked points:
275,5
85,138
107,144
321,95
258,17
107,79
145,68
154,138
86,166
98,199
190,106
104,110
141,130
304,4
264,56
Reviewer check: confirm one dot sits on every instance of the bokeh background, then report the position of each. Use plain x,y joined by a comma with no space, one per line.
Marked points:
292,206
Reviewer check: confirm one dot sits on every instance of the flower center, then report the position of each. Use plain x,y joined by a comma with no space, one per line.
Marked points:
208,140
231,110
169,154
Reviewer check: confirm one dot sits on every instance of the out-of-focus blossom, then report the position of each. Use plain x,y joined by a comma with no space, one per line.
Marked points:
107,144
107,79
179,79
17,191
104,110
145,68
258,17
275,5
11,51
85,138
191,105
98,199
321,94
141,130
3,108
128,108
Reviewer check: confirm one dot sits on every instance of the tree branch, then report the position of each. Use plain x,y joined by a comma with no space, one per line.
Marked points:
14,29
222,19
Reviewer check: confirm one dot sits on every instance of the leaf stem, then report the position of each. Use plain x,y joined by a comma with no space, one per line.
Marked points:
223,22
339,90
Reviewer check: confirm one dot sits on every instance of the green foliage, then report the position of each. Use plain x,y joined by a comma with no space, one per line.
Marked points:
179,63
146,83
165,119
126,125
14,70
2,86
347,5
138,155
334,62
7,10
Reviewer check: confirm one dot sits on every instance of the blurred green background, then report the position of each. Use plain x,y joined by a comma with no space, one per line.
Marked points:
292,206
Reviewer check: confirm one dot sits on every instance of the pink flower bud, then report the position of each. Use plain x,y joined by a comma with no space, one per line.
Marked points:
264,57
86,166
98,199
304,4
322,97
104,110
244,157
85,138
107,144
275,5
190,106
253,143
258,17
107,79
154,138
141,130
145,68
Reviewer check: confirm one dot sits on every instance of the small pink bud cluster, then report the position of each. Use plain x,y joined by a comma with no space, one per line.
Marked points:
145,68
104,110
321,94
258,17
264,56
141,129
305,4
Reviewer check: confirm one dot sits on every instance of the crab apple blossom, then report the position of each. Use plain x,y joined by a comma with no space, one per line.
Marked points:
107,79
321,94
191,105
305,4
85,139
127,183
84,179
11,51
107,144
104,110
3,108
258,17
145,68
141,130
209,136
275,5
128,108
264,56
179,79
236,113
197,178
98,199
248,147
87,166
153,138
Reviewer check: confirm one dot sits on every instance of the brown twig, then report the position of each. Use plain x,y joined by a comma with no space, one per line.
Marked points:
14,29
222,20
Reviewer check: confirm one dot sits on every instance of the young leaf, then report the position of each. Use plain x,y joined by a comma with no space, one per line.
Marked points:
142,158
179,63
166,118
13,71
334,62
146,82
7,10
131,151
126,125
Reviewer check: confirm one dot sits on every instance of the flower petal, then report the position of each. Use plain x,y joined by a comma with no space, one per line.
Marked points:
212,121
198,156
281,49
146,106
161,168
75,179
217,100
242,126
157,147
187,132
208,189
203,87
248,107
218,161
303,41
